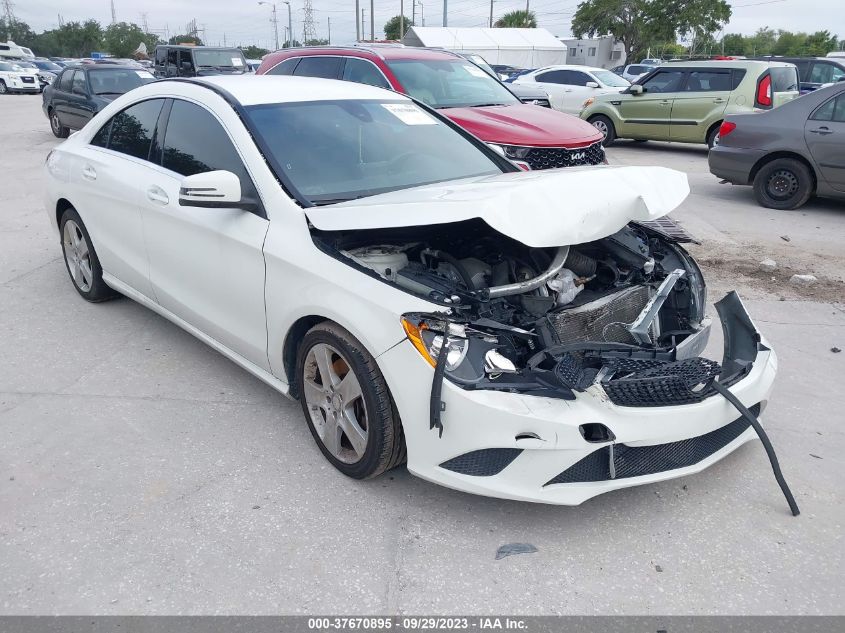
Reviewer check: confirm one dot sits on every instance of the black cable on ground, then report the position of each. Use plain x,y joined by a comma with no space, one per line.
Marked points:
770,451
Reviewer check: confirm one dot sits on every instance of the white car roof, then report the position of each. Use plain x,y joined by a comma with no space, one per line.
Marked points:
259,89
588,69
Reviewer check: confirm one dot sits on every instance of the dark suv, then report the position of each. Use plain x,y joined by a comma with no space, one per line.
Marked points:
198,61
814,72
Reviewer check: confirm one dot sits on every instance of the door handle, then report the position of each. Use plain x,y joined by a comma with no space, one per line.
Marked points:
157,195
665,102
718,100
89,173
822,130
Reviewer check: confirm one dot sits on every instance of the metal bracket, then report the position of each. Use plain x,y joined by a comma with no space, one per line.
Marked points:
639,328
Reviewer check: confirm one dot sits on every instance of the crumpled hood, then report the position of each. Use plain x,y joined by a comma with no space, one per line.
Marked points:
540,208
523,124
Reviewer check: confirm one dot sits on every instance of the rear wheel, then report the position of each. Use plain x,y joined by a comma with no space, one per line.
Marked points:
713,136
59,130
784,183
81,260
3,88
347,403
606,127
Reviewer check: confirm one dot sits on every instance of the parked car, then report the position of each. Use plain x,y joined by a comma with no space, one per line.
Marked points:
687,102
788,154
633,72
651,61
539,138
198,61
526,93
409,286
253,64
618,70
16,78
505,72
569,86
814,72
47,70
80,92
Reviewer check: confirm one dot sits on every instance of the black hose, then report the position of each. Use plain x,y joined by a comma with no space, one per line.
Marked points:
457,265
436,404
770,451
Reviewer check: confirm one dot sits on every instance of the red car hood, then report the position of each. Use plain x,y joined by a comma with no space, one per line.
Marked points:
524,124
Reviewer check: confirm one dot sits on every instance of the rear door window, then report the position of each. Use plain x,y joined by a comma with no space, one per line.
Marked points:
831,110
363,72
708,81
132,129
284,68
324,66
554,77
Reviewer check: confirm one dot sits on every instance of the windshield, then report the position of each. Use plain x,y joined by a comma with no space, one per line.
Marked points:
25,65
47,66
117,80
333,151
220,59
450,83
610,79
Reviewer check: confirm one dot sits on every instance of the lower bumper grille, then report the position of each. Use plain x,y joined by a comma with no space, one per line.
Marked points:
552,157
635,461
484,463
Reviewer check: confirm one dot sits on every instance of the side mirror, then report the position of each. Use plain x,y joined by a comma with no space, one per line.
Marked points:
591,84
213,190
636,89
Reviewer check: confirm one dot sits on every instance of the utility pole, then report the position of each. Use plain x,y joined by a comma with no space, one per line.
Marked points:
445,10
113,14
526,12
422,13
401,19
491,14
290,26
144,23
274,20
372,22
329,20
357,26
363,30
308,29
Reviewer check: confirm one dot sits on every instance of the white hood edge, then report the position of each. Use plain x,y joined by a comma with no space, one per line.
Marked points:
539,208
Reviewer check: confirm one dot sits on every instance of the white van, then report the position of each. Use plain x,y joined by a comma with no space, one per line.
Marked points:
12,50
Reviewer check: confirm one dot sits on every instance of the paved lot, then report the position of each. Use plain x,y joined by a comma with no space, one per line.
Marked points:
141,472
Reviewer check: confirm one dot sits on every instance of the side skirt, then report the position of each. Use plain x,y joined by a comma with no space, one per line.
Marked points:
262,374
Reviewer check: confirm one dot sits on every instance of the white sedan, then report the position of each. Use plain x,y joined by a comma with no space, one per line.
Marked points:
569,86
527,335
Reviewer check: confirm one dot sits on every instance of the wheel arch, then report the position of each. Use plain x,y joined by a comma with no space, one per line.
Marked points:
290,347
768,158
715,126
62,205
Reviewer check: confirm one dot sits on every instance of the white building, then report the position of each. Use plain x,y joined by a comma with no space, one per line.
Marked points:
601,52
523,48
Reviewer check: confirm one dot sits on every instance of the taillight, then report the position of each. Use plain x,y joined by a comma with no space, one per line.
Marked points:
726,128
764,92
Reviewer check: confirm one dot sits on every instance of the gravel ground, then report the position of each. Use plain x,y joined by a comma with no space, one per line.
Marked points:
141,472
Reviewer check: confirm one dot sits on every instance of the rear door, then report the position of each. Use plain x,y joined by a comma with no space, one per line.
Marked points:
699,104
648,115
824,133
554,83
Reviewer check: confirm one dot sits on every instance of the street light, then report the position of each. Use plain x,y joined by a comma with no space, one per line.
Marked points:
290,26
274,20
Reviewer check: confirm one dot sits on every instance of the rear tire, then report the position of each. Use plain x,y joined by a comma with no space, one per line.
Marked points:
81,259
3,89
347,403
59,130
606,127
713,136
784,184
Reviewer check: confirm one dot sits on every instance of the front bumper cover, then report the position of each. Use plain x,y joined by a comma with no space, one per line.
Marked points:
517,446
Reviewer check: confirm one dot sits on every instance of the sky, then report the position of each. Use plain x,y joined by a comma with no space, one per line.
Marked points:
246,22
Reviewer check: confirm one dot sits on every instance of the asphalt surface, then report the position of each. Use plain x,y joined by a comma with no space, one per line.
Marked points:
141,472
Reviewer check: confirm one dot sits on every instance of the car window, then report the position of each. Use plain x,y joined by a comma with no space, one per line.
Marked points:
116,81
101,138
80,84
132,129
161,56
611,79
553,77
737,75
664,81
577,78
363,72
66,82
708,81
324,66
340,150
784,79
825,73
831,110
284,68
450,83
638,70
222,58
195,142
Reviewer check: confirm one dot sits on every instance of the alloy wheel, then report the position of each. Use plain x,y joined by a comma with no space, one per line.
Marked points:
782,184
77,256
601,126
2,88
336,403
54,121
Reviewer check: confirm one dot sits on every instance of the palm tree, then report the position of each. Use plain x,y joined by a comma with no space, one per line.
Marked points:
516,20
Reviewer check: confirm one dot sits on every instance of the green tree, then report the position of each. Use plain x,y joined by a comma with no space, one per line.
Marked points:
517,20
294,44
185,39
733,44
72,39
820,44
391,28
17,32
254,52
122,39
316,42
762,42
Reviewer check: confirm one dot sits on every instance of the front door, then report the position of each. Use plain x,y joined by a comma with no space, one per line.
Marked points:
206,265
700,104
649,114
825,136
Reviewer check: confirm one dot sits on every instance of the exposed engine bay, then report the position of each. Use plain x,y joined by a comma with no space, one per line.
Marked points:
546,320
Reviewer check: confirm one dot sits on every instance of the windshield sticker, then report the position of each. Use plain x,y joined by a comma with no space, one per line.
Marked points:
237,61
409,114
475,70
143,74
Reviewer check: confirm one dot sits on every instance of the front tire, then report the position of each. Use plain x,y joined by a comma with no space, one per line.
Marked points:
3,89
59,130
606,127
784,184
81,260
347,404
713,136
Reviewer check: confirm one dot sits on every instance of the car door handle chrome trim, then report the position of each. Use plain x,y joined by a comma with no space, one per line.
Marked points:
665,103
822,130
157,195
89,173
718,100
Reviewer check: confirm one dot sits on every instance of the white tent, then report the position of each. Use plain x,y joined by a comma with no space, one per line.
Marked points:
523,48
